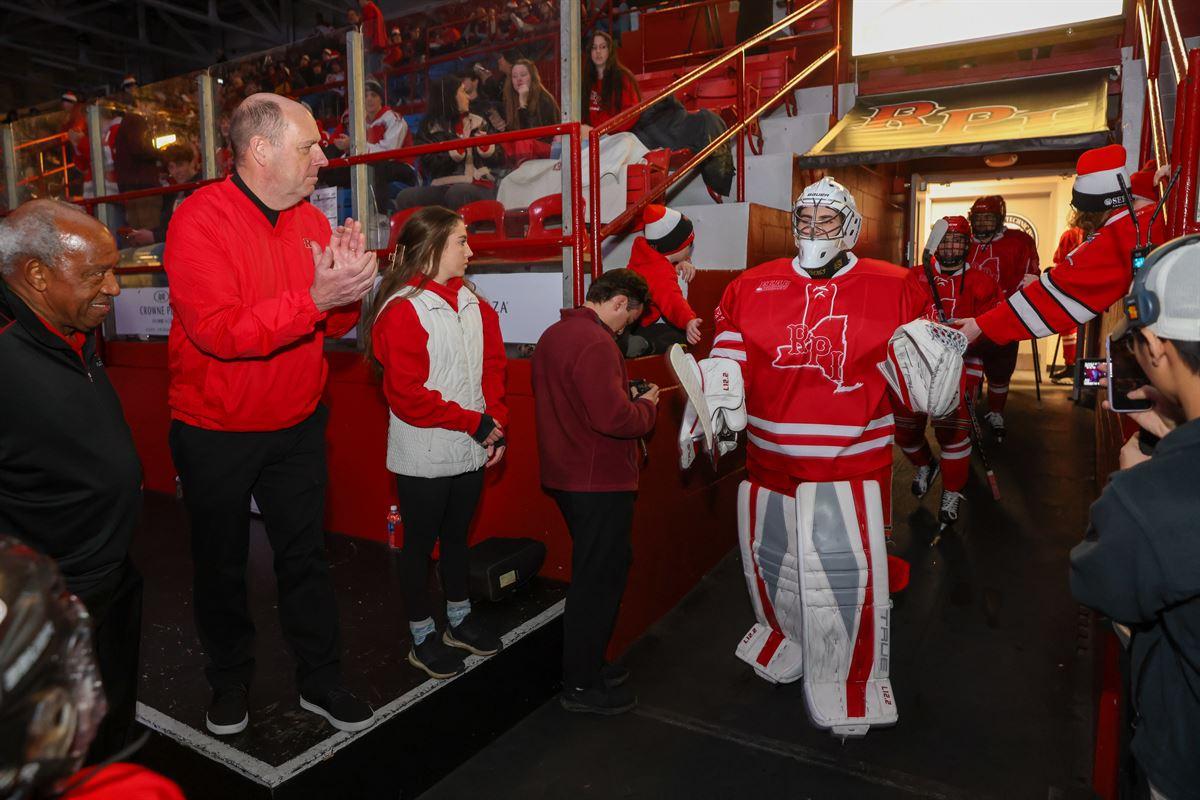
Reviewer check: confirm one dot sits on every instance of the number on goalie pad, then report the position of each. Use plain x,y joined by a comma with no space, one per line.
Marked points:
767,535
844,591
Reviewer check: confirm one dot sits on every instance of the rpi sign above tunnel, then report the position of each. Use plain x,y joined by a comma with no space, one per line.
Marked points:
1061,111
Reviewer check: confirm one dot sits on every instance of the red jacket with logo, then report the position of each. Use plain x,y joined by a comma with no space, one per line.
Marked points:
1007,257
1094,276
818,407
666,298
246,348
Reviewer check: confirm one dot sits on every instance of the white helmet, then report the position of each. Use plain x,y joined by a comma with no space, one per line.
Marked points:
826,193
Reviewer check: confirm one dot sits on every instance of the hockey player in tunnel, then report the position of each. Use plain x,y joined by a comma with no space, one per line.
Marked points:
1010,257
964,291
794,364
1094,275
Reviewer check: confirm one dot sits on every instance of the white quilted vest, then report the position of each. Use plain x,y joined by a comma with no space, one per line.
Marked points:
456,372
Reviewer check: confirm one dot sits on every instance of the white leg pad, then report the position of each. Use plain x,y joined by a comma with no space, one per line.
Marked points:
846,607
767,535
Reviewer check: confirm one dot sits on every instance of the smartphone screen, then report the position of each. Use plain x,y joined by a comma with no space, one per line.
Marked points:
1091,372
1124,375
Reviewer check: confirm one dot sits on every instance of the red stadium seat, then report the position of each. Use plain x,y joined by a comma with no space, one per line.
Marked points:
485,220
542,211
396,223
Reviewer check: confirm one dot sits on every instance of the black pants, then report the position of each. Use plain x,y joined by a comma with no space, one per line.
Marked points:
600,524
435,510
285,471
115,607
650,340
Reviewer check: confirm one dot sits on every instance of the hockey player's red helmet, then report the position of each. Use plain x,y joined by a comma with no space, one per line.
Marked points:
952,250
987,215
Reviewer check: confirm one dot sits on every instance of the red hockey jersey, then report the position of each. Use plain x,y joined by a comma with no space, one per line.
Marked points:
1094,276
1008,258
818,407
968,293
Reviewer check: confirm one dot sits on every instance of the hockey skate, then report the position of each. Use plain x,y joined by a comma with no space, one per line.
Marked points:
951,501
924,477
995,421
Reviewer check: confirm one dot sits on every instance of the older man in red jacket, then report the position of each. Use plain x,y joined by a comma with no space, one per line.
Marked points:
588,423
258,281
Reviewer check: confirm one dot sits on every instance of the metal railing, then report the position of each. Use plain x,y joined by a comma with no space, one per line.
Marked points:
745,118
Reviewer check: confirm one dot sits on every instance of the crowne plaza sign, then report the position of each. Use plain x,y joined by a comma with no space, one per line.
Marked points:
1053,112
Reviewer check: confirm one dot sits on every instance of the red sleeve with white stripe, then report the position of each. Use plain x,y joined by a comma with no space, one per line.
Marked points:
1091,279
727,342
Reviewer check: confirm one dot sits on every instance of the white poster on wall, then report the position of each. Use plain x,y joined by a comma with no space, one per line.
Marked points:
143,311
527,302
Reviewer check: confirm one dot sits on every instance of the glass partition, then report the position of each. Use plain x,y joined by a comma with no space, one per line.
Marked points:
46,164
151,139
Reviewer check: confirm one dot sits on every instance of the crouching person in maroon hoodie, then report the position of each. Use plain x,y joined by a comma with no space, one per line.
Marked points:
588,424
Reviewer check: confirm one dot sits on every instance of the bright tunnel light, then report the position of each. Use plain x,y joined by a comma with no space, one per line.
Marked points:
163,141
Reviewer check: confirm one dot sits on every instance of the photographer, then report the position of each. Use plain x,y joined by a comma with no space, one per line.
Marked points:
588,420
1140,561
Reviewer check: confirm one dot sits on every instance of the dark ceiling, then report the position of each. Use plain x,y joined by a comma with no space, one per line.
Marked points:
50,46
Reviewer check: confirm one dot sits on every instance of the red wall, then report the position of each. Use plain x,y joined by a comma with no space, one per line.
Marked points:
683,524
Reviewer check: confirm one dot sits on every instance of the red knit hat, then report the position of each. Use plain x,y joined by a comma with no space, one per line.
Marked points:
667,230
1097,187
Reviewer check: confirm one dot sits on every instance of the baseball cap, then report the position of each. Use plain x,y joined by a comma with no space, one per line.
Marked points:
1165,297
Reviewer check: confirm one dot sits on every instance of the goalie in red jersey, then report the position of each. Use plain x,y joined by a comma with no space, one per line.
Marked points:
794,364
964,291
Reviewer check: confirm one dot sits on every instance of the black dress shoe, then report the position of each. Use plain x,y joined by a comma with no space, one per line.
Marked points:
599,700
228,713
613,675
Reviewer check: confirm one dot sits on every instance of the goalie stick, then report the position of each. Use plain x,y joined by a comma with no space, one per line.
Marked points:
935,238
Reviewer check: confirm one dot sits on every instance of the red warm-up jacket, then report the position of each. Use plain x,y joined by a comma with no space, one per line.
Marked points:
600,111
401,345
246,348
666,298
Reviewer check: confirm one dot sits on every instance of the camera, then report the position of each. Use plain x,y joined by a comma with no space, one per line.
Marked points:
638,387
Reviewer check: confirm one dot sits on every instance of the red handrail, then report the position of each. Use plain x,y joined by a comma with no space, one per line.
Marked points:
599,231
577,238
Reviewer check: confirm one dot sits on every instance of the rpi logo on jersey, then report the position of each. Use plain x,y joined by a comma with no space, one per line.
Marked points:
946,290
818,341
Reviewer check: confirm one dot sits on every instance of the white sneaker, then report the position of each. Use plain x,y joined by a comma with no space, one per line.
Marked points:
950,503
995,421
924,476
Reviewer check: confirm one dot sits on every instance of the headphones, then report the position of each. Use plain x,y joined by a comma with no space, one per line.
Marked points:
1142,305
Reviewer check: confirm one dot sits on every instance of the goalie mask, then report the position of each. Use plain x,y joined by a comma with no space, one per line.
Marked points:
924,367
987,216
825,222
952,250
51,701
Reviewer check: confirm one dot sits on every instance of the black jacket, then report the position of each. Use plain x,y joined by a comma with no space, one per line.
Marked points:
70,478
1140,565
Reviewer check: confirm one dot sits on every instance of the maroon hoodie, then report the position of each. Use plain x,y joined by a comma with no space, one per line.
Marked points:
587,425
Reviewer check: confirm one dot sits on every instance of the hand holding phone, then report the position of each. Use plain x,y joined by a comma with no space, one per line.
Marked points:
1125,375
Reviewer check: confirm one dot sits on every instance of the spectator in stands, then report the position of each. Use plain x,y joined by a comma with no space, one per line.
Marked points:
258,282
1140,561
457,177
494,82
444,386
321,26
478,103
374,33
70,477
75,127
135,162
386,130
129,83
588,420
527,104
661,256
608,86
183,166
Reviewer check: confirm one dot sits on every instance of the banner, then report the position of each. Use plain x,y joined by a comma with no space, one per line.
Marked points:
143,311
1048,113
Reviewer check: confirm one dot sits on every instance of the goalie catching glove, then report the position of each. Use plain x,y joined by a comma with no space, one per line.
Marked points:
924,367
716,404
